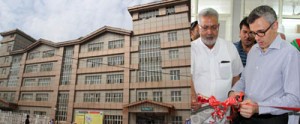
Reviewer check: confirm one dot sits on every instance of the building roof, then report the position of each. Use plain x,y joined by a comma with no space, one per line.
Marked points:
152,5
96,33
80,40
4,105
35,44
149,101
18,31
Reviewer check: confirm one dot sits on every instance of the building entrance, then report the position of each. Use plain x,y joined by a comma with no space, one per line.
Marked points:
150,119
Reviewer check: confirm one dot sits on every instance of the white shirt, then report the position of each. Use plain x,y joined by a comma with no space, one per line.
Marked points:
213,69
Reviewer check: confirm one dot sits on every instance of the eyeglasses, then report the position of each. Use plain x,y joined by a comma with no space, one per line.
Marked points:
212,28
261,33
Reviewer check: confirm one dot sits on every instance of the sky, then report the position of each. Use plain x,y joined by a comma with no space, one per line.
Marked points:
62,20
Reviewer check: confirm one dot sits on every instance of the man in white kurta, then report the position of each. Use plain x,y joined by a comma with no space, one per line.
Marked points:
213,69
215,62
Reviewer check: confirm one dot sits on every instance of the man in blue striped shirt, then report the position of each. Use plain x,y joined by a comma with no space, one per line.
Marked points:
247,41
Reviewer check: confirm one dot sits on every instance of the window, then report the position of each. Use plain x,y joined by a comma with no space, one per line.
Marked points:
24,111
46,67
115,60
148,14
113,119
175,74
12,97
115,44
175,96
177,120
44,81
33,55
93,79
67,66
3,70
3,83
94,62
142,96
27,96
172,36
39,112
16,59
150,56
113,97
9,48
6,59
31,68
157,96
28,82
115,78
41,97
170,10
14,71
95,46
48,53
149,42
62,106
91,97
5,96
173,54
150,59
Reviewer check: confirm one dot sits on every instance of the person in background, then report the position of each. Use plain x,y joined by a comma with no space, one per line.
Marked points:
271,77
27,120
51,121
215,64
246,41
194,31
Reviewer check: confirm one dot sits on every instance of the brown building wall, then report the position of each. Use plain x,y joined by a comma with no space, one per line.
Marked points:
163,24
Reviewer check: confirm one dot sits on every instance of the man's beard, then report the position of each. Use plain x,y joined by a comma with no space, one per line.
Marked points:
209,40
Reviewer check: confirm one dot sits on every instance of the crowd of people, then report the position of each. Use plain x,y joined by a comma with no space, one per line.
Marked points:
261,64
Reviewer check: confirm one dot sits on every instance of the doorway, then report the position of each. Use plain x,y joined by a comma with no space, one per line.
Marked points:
150,119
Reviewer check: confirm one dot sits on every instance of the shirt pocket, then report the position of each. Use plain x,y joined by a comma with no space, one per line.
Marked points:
225,70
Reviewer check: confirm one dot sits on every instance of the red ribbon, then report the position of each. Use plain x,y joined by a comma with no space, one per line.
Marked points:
295,109
220,108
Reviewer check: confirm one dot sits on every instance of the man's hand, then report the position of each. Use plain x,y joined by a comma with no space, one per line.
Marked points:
195,105
233,94
248,108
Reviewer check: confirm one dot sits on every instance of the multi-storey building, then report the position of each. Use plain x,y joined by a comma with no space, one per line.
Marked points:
140,76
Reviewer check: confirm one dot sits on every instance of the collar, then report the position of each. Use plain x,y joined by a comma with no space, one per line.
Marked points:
276,44
239,44
214,50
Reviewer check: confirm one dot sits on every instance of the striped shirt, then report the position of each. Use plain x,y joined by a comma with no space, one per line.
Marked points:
242,53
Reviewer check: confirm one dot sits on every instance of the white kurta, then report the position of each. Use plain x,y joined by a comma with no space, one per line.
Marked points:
213,69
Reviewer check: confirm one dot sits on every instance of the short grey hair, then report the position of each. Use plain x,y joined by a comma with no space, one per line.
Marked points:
264,11
208,12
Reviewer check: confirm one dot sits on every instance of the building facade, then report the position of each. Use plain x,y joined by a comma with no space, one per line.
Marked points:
140,76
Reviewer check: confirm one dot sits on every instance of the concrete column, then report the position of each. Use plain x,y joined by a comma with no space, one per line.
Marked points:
237,16
21,72
127,59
